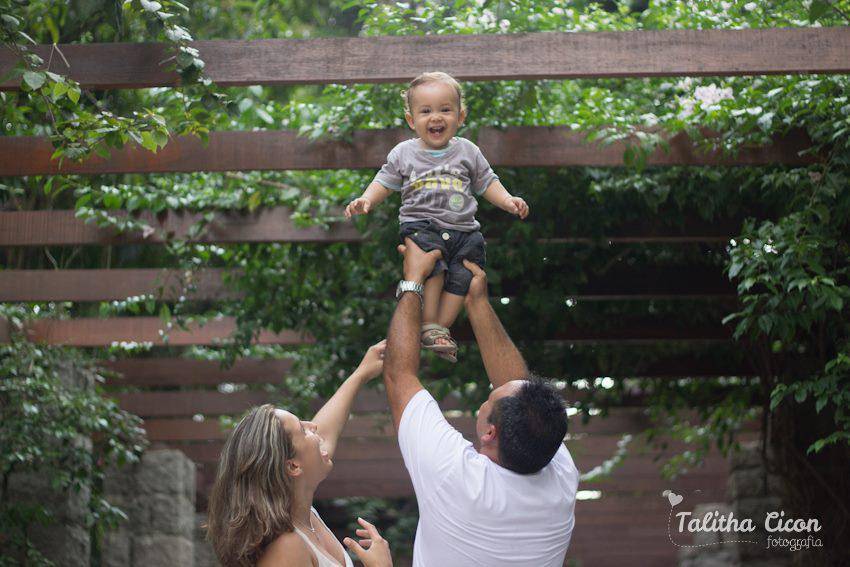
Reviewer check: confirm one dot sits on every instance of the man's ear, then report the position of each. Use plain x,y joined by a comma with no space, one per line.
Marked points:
409,118
293,469
489,435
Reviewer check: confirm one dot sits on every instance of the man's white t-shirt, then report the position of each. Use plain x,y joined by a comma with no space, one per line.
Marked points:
475,512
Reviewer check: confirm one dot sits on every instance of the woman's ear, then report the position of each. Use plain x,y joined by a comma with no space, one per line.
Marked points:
293,469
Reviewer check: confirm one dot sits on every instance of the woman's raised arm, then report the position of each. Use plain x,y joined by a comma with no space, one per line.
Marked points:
331,419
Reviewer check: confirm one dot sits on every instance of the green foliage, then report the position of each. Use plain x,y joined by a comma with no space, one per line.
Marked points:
54,426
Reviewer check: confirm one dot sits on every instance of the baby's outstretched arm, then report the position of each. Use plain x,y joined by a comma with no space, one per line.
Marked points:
371,197
499,196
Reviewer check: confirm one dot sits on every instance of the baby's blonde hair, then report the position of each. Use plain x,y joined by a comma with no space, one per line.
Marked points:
433,77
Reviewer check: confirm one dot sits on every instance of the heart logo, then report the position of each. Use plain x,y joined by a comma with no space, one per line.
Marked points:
674,499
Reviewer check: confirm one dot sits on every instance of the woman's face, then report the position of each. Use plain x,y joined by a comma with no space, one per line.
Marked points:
312,460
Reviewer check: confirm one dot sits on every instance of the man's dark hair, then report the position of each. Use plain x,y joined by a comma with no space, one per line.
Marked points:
531,425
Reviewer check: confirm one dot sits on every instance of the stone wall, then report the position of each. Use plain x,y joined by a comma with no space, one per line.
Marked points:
65,540
158,495
751,493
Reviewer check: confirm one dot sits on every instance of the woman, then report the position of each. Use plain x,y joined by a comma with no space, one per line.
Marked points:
260,508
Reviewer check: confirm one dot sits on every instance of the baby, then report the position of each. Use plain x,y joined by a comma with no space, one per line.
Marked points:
438,175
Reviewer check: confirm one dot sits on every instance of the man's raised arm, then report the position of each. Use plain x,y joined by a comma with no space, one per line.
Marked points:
401,361
502,359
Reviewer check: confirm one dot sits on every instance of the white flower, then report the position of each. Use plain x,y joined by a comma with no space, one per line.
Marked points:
711,95
685,84
557,10
750,6
504,25
649,119
688,105
725,6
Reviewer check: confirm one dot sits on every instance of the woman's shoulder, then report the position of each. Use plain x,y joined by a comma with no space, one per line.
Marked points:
287,549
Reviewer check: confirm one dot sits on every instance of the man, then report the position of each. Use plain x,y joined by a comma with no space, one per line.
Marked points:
511,501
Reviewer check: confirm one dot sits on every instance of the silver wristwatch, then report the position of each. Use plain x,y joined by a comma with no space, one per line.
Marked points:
407,285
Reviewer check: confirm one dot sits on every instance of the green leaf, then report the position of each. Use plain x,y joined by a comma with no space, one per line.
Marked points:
800,395
34,79
150,6
74,94
148,141
59,88
51,26
11,23
817,9
28,38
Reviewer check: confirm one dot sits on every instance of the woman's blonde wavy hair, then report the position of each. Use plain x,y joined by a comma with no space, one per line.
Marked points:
433,77
250,501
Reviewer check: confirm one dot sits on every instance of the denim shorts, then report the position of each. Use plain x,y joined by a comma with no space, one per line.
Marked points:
455,245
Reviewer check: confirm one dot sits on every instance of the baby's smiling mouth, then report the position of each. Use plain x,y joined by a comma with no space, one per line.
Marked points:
436,129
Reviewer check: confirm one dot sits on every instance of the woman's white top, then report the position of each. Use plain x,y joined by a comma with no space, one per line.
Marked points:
322,557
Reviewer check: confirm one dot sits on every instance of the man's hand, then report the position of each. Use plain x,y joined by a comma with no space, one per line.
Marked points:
418,264
478,286
359,206
373,361
517,206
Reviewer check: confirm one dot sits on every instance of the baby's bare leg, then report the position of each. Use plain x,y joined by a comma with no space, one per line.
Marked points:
450,305
433,289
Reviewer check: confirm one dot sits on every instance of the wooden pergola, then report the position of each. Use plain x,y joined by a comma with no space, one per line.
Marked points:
171,393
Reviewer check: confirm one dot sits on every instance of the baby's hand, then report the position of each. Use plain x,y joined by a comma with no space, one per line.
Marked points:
359,206
516,206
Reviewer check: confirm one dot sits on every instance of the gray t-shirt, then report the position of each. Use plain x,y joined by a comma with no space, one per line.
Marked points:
438,184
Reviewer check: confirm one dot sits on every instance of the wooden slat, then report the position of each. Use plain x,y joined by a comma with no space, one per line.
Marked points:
104,332
588,452
539,55
207,403
62,228
621,420
635,475
172,372
154,372
104,285
526,146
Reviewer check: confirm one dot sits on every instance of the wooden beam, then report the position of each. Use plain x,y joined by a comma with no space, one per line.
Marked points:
107,285
620,420
480,57
170,372
211,403
63,228
522,146
174,372
208,284
104,332
91,332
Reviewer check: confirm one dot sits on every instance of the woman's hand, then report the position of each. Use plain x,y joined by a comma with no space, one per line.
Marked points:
373,361
373,550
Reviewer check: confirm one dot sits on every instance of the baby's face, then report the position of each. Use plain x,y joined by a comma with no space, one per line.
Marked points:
436,113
